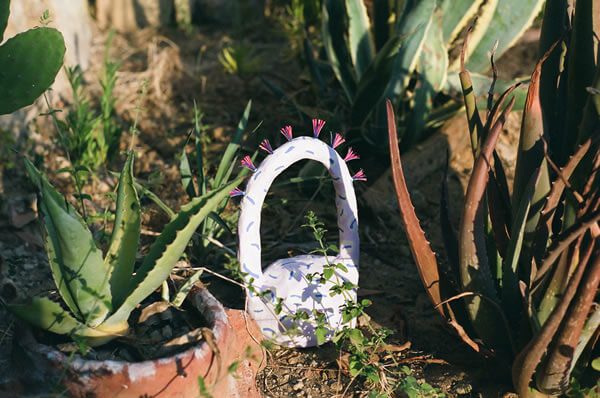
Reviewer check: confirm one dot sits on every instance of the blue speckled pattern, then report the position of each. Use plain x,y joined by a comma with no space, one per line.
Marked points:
286,278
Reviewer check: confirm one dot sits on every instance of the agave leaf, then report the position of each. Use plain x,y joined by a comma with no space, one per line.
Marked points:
226,162
186,173
168,248
474,269
75,255
506,25
433,68
155,199
333,31
381,26
373,84
359,36
421,250
185,288
313,66
4,14
120,257
511,297
555,376
413,24
48,315
457,13
526,363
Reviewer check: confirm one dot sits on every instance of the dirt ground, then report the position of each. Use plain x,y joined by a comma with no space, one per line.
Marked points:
180,69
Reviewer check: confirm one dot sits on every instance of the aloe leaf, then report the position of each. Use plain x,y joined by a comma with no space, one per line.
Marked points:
186,173
359,36
470,98
457,13
168,248
505,26
423,255
481,84
448,232
374,81
4,14
528,360
227,160
75,254
581,69
124,240
47,315
185,288
201,178
333,31
414,25
30,62
555,376
474,268
554,26
589,329
530,156
511,298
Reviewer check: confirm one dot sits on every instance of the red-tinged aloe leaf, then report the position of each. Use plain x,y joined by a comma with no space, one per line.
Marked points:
557,284
530,357
473,119
498,215
423,255
510,280
448,232
581,69
555,377
563,242
474,268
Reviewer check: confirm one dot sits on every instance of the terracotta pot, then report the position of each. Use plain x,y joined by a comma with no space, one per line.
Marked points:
174,376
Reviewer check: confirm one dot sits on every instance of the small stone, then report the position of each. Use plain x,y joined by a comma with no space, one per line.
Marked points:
314,364
463,388
293,360
298,386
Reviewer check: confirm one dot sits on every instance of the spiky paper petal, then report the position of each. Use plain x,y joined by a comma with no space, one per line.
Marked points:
351,155
287,132
247,163
360,176
317,126
236,192
265,145
337,140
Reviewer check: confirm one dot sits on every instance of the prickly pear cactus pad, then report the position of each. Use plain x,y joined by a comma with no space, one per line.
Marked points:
289,304
29,63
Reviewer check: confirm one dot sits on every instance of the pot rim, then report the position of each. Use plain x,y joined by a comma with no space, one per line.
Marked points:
210,308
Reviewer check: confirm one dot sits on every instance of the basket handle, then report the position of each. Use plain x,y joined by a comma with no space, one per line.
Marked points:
301,148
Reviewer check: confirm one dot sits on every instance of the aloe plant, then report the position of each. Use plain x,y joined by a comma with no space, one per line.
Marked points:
407,60
29,63
526,266
100,292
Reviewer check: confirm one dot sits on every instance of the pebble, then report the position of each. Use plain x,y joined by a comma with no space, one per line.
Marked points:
298,386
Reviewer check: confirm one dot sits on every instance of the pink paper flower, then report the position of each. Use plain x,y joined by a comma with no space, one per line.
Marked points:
351,155
317,126
247,163
360,176
287,132
337,140
236,192
265,145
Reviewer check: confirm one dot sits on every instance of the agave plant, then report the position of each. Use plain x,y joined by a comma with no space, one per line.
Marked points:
100,292
407,59
526,266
